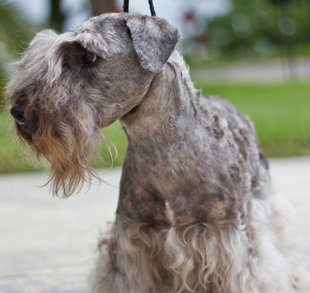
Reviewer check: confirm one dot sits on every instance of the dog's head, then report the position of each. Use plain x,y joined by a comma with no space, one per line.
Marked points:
69,86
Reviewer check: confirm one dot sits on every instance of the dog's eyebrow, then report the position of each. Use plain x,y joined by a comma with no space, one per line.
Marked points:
93,41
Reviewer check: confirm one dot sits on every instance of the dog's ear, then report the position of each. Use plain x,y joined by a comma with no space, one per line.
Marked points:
154,40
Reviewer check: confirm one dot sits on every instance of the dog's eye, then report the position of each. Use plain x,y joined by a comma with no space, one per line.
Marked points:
88,57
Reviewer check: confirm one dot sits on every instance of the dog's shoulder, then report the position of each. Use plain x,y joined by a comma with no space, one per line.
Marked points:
219,109
228,123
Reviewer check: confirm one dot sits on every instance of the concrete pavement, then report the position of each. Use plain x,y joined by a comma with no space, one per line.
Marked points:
269,71
48,245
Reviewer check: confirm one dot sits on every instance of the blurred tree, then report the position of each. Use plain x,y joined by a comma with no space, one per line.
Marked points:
15,33
57,16
280,1
15,29
260,26
102,6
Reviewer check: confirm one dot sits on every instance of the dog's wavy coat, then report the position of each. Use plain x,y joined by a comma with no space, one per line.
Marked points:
195,213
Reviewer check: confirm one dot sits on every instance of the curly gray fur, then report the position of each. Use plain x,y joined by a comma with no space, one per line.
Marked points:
195,212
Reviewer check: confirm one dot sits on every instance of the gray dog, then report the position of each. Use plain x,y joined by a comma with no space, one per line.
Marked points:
195,211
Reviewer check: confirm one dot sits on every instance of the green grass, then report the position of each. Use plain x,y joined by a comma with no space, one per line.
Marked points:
13,158
281,114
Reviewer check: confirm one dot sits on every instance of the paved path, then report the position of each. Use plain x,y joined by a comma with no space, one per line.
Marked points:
48,245
269,71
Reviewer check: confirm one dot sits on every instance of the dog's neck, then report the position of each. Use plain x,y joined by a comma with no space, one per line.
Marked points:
162,123
170,100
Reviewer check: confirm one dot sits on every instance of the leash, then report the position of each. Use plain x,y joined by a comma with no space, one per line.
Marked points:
126,7
153,13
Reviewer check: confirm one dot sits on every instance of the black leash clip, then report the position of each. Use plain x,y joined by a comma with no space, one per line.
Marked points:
126,7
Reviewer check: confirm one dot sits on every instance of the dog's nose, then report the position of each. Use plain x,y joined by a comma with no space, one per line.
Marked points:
18,113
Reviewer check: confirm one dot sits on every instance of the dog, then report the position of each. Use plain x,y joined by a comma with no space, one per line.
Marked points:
196,212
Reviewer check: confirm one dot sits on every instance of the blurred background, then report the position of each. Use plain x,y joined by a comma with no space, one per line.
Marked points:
255,53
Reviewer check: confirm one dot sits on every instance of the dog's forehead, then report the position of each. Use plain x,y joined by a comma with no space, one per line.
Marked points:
96,22
101,34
